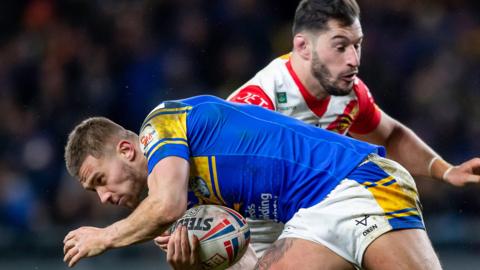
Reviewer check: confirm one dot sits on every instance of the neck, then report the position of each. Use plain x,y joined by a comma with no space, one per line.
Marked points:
302,69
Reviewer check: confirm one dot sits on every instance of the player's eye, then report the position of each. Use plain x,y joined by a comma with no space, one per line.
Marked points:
99,181
340,48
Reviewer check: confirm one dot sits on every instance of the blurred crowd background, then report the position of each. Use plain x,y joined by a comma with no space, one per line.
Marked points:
61,61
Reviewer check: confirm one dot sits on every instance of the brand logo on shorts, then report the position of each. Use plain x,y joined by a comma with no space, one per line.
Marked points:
282,97
370,229
362,221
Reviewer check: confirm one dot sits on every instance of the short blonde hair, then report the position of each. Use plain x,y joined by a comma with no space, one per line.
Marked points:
91,137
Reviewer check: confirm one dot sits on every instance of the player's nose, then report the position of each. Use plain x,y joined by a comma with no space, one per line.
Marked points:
353,57
105,196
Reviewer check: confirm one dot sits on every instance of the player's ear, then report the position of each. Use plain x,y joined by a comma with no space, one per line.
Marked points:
302,45
126,149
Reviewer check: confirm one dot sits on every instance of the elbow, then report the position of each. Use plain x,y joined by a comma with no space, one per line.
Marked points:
397,138
171,211
174,214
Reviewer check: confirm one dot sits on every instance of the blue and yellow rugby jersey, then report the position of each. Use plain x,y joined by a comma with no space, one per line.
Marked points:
259,162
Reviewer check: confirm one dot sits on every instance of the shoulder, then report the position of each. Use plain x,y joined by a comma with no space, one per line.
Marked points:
260,90
165,110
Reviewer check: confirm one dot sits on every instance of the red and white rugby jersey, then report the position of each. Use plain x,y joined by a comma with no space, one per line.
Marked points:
277,87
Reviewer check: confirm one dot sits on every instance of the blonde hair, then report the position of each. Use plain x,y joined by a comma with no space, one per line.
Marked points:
91,137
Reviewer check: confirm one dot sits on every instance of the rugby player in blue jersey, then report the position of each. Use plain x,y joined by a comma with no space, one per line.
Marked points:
343,204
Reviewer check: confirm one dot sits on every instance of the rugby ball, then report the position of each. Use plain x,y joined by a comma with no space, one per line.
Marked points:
223,234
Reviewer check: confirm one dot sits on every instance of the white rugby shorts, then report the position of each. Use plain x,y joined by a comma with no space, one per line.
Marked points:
377,197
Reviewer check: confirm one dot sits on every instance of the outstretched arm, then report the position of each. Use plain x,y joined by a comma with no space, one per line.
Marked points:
405,147
165,203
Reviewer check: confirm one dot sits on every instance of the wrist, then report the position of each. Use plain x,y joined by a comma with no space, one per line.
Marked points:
439,168
444,176
108,237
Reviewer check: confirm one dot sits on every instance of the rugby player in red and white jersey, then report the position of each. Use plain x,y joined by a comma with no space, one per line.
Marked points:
317,83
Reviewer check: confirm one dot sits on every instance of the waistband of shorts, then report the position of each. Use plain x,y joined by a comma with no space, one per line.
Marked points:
370,157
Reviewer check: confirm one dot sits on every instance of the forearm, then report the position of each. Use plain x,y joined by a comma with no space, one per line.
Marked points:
405,147
147,221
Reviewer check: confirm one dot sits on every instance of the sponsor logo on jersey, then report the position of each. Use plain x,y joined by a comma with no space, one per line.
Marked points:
252,98
343,121
199,187
148,134
267,208
282,97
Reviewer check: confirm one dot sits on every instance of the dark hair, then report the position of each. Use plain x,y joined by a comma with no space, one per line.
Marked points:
314,14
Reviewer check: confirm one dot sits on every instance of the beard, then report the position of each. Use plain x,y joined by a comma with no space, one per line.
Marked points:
137,188
325,78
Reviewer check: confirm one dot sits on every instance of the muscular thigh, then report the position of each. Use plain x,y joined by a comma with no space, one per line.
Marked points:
295,253
403,249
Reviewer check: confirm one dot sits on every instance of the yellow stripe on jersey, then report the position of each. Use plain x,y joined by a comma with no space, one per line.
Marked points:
204,182
160,111
150,153
237,206
164,126
413,212
391,197
215,179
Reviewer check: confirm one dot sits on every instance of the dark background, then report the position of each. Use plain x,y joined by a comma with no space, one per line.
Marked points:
61,61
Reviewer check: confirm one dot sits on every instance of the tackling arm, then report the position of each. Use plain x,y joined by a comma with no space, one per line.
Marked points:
404,146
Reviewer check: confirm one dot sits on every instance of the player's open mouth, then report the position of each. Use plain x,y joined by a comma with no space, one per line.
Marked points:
349,77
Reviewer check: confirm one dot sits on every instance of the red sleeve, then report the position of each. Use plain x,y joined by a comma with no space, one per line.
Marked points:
369,114
253,94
